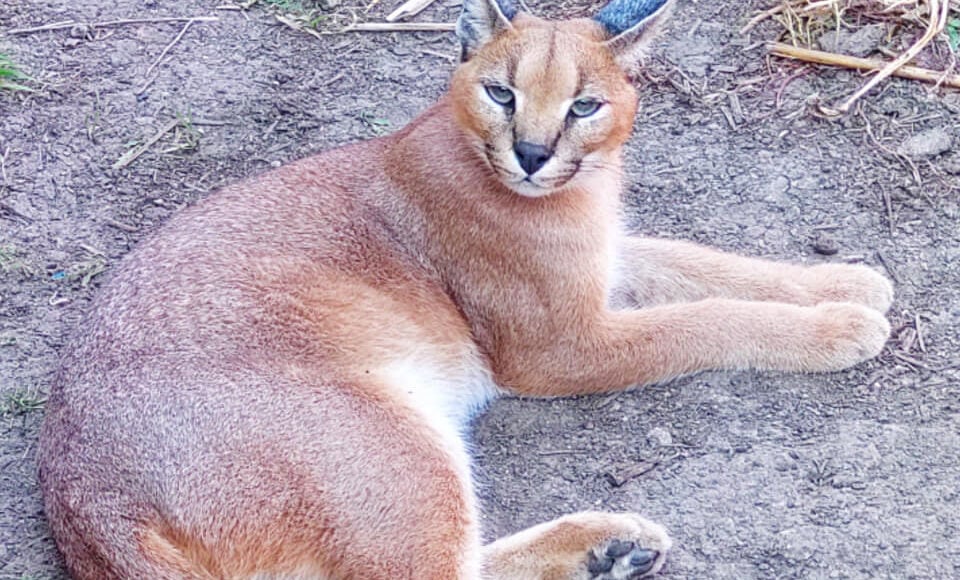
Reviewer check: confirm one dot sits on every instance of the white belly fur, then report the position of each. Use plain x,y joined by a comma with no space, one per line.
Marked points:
447,388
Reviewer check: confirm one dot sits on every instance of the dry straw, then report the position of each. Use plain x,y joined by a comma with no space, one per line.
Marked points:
804,19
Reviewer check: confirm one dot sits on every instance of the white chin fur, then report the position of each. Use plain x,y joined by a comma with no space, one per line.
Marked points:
531,190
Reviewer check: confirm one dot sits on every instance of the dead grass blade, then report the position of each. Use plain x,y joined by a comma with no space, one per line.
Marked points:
130,156
922,20
400,27
939,11
852,62
108,23
409,9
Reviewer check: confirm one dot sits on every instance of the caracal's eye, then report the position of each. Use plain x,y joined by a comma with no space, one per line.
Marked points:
585,107
501,95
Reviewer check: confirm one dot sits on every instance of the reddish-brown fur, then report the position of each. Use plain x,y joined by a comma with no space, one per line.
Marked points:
272,385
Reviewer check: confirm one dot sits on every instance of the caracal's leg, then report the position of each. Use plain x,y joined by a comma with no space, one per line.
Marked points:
654,271
617,349
580,546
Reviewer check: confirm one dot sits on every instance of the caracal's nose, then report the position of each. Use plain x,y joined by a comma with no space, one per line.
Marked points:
531,156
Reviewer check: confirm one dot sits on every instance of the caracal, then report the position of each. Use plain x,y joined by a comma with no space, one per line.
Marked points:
276,383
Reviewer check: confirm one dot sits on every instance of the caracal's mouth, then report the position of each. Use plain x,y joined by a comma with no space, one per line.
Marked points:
539,184
528,187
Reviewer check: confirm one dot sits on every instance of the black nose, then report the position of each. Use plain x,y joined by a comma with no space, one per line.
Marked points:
531,157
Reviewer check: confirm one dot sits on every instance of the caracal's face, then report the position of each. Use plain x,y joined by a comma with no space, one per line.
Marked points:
545,104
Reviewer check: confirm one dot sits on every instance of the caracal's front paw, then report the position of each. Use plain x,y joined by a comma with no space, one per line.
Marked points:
850,283
632,547
845,334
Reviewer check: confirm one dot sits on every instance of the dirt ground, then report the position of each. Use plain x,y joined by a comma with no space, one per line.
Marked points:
853,474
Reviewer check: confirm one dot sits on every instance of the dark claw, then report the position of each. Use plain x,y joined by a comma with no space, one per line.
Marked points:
618,549
643,561
598,566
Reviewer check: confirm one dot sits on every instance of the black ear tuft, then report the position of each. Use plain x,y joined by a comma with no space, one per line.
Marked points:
481,20
620,16
509,8
631,24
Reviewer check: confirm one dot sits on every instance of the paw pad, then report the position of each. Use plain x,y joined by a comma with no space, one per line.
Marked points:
620,560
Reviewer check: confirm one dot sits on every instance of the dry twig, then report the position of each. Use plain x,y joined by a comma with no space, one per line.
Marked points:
3,165
167,48
163,53
922,20
919,329
107,23
121,225
888,266
914,170
129,157
409,9
842,60
761,17
400,27
7,208
371,6
296,26
444,56
938,20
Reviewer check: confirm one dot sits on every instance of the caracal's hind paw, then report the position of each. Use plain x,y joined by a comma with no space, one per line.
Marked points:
634,547
580,546
622,559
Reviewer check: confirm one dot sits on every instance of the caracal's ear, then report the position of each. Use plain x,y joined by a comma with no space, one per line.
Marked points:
632,24
480,21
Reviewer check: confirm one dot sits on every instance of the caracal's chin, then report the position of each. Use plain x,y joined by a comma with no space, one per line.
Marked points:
546,182
537,185
529,188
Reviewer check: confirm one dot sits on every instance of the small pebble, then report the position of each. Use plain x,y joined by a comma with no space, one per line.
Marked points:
951,164
660,437
929,143
825,246
857,43
80,31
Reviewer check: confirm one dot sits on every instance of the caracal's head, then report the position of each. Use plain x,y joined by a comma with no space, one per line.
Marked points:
547,104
